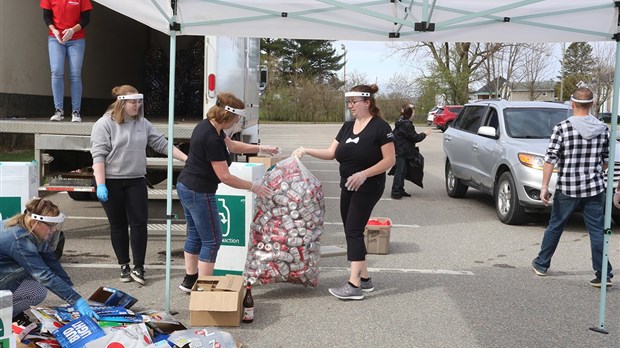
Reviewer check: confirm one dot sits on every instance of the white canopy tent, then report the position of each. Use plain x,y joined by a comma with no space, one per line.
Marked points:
387,20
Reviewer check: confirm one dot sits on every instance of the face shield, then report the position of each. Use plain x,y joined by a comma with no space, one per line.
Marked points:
352,98
55,224
133,104
238,125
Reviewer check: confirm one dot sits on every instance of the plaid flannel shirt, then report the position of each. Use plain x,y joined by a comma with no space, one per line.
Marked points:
579,161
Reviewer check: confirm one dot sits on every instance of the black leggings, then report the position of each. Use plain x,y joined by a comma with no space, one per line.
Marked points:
127,206
355,210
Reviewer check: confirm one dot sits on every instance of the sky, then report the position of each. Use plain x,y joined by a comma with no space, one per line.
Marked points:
371,58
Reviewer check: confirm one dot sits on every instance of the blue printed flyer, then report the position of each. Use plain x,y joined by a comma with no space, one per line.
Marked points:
78,332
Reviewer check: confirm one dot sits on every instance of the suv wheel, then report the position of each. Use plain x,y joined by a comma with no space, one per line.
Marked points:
507,206
448,125
454,187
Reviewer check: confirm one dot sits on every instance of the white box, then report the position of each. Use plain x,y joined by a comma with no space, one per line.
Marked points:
6,314
237,209
19,182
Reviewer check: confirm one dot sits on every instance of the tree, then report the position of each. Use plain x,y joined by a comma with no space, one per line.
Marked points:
577,65
533,67
453,63
314,59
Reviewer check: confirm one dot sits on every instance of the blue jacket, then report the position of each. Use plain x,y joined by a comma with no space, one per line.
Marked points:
22,254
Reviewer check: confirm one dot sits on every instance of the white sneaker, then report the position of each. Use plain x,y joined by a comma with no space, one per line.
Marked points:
58,115
75,117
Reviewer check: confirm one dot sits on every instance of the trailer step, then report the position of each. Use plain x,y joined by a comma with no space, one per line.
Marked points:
162,163
157,193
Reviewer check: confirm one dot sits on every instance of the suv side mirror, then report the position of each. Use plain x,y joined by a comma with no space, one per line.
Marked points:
487,131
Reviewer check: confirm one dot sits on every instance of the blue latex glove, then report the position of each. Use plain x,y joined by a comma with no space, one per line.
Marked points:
82,306
102,192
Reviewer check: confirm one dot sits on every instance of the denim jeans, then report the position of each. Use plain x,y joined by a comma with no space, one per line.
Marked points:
74,50
593,209
204,232
398,185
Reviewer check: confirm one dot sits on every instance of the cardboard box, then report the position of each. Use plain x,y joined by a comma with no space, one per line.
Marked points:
8,341
216,301
266,160
377,237
6,316
113,297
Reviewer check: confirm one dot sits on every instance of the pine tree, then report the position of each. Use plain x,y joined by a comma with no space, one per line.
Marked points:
577,64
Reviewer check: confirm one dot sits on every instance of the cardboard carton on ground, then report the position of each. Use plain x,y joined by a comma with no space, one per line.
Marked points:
377,236
113,297
216,301
6,313
8,341
266,160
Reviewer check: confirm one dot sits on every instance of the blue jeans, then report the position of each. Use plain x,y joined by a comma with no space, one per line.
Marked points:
204,232
74,50
593,210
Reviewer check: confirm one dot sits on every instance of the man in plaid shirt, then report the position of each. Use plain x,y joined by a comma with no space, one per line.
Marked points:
579,147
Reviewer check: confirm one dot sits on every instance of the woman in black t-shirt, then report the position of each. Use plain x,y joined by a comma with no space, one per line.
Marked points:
364,148
207,166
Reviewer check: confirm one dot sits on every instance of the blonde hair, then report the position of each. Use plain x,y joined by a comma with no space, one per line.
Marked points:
39,206
219,114
116,108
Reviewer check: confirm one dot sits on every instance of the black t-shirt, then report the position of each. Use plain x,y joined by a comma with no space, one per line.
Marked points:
356,152
205,146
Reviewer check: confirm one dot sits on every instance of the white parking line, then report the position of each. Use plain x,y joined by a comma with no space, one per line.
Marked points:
323,269
324,223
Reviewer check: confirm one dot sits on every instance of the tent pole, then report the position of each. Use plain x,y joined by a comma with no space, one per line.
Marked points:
609,193
169,215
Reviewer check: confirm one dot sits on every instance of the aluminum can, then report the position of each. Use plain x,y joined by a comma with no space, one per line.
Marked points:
292,206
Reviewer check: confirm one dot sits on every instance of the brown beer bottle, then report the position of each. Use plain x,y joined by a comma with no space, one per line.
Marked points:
248,305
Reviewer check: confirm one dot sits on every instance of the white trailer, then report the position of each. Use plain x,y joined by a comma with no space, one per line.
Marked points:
231,64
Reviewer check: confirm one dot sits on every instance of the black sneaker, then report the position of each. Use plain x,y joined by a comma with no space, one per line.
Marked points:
596,282
188,282
396,196
138,274
22,319
405,194
125,274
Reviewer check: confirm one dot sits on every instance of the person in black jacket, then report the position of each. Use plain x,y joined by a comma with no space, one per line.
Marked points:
405,138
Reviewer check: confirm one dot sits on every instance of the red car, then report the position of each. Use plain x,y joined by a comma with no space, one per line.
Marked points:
443,119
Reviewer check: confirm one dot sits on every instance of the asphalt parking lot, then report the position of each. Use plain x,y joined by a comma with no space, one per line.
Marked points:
455,276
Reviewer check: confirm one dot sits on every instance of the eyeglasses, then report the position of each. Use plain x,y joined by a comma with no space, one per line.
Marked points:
352,102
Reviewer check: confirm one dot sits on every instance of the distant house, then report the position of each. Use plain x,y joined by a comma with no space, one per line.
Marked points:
518,91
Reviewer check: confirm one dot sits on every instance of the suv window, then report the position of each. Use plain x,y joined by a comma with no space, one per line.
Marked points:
469,118
533,122
492,120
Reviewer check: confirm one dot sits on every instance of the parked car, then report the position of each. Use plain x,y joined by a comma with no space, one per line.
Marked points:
431,115
605,117
444,118
498,147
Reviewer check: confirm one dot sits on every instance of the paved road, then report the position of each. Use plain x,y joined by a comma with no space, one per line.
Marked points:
455,275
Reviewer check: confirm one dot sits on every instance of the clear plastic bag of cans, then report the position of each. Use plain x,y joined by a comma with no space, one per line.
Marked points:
285,233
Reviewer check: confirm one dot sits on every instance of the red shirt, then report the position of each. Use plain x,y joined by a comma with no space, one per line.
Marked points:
66,14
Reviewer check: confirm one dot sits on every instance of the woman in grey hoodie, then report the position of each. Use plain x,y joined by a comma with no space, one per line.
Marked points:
118,146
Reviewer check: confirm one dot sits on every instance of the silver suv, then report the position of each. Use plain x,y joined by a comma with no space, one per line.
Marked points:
498,147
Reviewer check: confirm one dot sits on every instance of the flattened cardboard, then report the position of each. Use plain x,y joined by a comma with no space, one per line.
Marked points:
218,302
377,237
113,297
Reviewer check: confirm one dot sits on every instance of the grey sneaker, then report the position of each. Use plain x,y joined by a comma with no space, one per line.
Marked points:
75,116
125,274
367,286
539,271
138,275
347,292
58,115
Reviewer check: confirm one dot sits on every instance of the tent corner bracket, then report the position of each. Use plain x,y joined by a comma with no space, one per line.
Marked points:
424,26
175,26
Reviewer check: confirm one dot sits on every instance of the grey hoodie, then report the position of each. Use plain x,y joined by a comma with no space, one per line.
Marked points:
122,147
587,126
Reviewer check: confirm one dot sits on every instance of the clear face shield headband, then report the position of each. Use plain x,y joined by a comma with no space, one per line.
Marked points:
351,98
134,104
53,222
237,126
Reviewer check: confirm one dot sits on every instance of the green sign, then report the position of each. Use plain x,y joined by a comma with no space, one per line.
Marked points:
10,206
232,219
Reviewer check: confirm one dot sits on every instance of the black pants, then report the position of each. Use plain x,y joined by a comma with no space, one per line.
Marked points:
398,185
127,206
355,210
